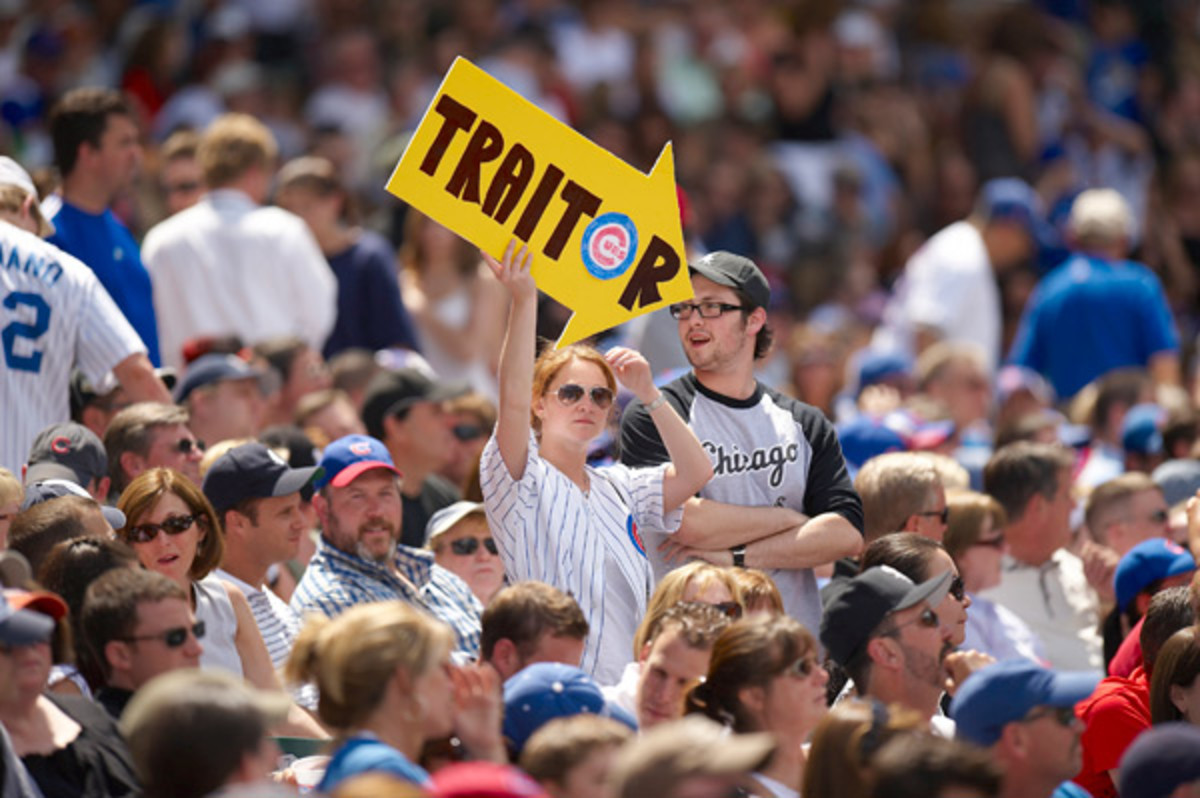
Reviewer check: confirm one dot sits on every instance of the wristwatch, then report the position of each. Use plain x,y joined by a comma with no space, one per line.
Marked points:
739,556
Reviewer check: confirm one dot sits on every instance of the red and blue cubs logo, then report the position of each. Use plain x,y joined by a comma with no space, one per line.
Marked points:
634,536
609,245
361,448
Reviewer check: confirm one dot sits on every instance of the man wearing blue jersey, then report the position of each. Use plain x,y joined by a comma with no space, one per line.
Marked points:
54,315
97,151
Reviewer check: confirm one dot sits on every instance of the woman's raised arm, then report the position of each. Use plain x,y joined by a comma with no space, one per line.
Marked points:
516,356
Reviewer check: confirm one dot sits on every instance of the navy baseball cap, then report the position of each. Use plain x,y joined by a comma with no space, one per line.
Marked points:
252,471
66,451
1178,479
1146,563
1141,431
214,368
23,627
1160,760
544,691
735,271
855,607
392,392
864,437
57,488
1005,692
346,458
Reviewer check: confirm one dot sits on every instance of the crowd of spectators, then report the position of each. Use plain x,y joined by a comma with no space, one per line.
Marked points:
904,502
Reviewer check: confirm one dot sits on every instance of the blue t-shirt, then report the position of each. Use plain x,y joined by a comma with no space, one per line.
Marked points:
1069,789
1089,316
107,248
370,313
366,754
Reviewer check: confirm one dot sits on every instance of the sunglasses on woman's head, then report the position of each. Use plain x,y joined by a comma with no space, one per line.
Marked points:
173,525
468,546
570,393
173,637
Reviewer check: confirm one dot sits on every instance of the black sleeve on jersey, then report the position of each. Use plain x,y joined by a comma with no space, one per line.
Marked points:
829,489
641,445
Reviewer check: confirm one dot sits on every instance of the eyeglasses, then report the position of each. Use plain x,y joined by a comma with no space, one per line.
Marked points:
802,668
188,445
465,546
958,589
570,393
1064,715
468,432
173,637
708,310
730,609
175,525
996,542
928,618
943,514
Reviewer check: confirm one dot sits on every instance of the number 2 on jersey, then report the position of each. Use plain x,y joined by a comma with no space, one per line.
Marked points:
16,330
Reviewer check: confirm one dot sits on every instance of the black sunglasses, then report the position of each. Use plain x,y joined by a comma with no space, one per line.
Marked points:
943,514
730,609
468,432
802,668
1064,715
466,546
996,542
187,445
958,589
174,637
175,525
569,394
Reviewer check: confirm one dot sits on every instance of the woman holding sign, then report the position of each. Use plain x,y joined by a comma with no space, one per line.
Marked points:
555,518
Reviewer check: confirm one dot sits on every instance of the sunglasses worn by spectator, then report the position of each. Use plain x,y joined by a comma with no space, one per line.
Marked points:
468,432
187,446
174,525
958,589
996,542
730,609
942,515
1065,716
708,310
468,546
570,393
173,637
802,668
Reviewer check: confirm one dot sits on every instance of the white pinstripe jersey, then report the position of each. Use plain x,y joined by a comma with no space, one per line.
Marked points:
54,315
585,544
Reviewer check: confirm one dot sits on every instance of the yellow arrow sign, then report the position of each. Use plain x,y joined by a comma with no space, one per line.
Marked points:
491,166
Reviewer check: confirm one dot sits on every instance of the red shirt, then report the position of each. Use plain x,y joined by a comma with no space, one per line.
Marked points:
1129,654
1116,713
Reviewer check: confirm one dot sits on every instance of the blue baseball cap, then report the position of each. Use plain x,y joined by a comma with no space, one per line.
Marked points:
864,437
1160,760
22,627
1146,563
548,690
346,458
252,471
1012,199
214,368
1006,691
1141,431
876,366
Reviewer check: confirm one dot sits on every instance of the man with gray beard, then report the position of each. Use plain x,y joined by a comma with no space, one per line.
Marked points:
359,557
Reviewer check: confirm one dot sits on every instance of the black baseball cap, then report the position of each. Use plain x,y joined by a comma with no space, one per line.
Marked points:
52,489
66,451
252,471
855,607
392,392
215,368
735,271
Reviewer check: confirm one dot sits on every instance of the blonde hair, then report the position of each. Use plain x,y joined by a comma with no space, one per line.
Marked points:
12,200
670,592
758,591
233,145
11,489
893,487
351,658
967,511
218,450
551,361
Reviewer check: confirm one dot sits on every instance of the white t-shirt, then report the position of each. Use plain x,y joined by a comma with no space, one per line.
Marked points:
948,285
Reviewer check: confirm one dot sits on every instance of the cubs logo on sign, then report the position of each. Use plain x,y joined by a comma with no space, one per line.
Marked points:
609,244
635,537
360,448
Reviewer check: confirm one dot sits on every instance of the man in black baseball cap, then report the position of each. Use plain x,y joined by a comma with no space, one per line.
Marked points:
257,497
72,452
884,632
405,409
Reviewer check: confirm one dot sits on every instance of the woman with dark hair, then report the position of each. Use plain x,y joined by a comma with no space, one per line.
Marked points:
846,741
1174,688
174,530
68,570
920,558
764,675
